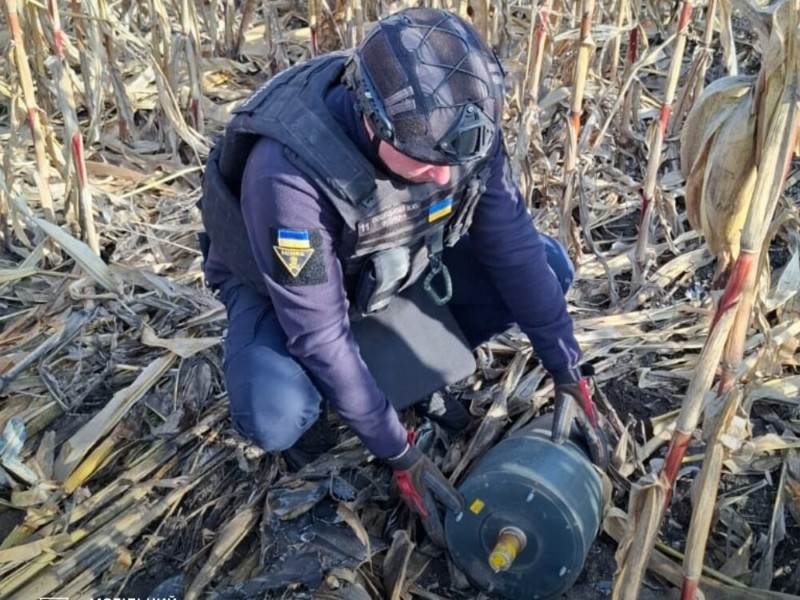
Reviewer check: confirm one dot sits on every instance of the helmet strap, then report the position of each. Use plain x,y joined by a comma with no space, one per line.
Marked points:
375,146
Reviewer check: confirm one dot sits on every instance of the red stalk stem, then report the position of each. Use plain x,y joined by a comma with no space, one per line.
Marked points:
675,453
80,164
689,589
745,263
633,45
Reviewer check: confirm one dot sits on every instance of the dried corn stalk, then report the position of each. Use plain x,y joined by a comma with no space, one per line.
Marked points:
34,121
585,49
657,133
123,105
695,82
73,140
529,118
653,491
623,14
186,43
775,104
705,498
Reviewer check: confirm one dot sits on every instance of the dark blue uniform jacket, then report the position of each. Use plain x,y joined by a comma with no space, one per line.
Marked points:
275,195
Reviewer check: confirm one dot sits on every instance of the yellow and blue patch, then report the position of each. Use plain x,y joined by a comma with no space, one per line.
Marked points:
298,257
298,239
440,209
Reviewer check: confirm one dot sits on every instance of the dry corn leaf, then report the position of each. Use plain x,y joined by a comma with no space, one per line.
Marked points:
711,110
395,564
31,550
758,453
289,503
95,459
490,428
695,180
764,574
34,496
710,113
182,346
228,538
738,564
787,286
45,454
727,38
730,178
646,504
79,251
77,446
352,519
793,484
11,275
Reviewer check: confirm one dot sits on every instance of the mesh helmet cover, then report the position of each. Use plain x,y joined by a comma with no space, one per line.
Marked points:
429,86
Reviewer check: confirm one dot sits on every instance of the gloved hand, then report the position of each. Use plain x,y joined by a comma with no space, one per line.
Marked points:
419,481
573,402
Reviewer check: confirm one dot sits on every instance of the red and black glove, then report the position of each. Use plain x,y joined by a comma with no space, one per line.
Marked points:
573,403
420,483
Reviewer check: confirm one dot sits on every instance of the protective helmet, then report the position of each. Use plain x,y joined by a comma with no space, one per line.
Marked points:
429,86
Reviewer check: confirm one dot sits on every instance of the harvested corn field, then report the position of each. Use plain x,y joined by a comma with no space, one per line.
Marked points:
657,140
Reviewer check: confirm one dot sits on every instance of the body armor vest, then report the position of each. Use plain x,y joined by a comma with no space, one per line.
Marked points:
392,230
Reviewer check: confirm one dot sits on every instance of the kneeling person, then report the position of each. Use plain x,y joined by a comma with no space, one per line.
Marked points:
357,198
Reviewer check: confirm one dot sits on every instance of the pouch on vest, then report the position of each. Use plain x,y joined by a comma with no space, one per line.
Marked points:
461,221
414,347
381,277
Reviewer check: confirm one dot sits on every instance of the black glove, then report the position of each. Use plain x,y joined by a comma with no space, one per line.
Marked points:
573,402
419,480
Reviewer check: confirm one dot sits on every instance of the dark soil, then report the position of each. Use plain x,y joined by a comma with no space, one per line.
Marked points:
595,582
755,508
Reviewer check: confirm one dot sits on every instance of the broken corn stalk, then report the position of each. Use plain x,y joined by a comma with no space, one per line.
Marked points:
647,506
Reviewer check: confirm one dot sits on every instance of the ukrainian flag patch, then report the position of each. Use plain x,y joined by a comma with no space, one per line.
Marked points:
298,258
297,239
440,209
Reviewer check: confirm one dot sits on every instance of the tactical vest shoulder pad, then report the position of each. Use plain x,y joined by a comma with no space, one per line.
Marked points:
290,108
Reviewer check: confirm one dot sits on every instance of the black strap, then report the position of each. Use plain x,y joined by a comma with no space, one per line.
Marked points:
435,243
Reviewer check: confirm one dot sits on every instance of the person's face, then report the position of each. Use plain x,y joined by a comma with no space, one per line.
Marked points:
408,168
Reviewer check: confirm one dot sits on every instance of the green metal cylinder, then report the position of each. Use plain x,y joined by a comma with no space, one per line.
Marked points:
533,509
